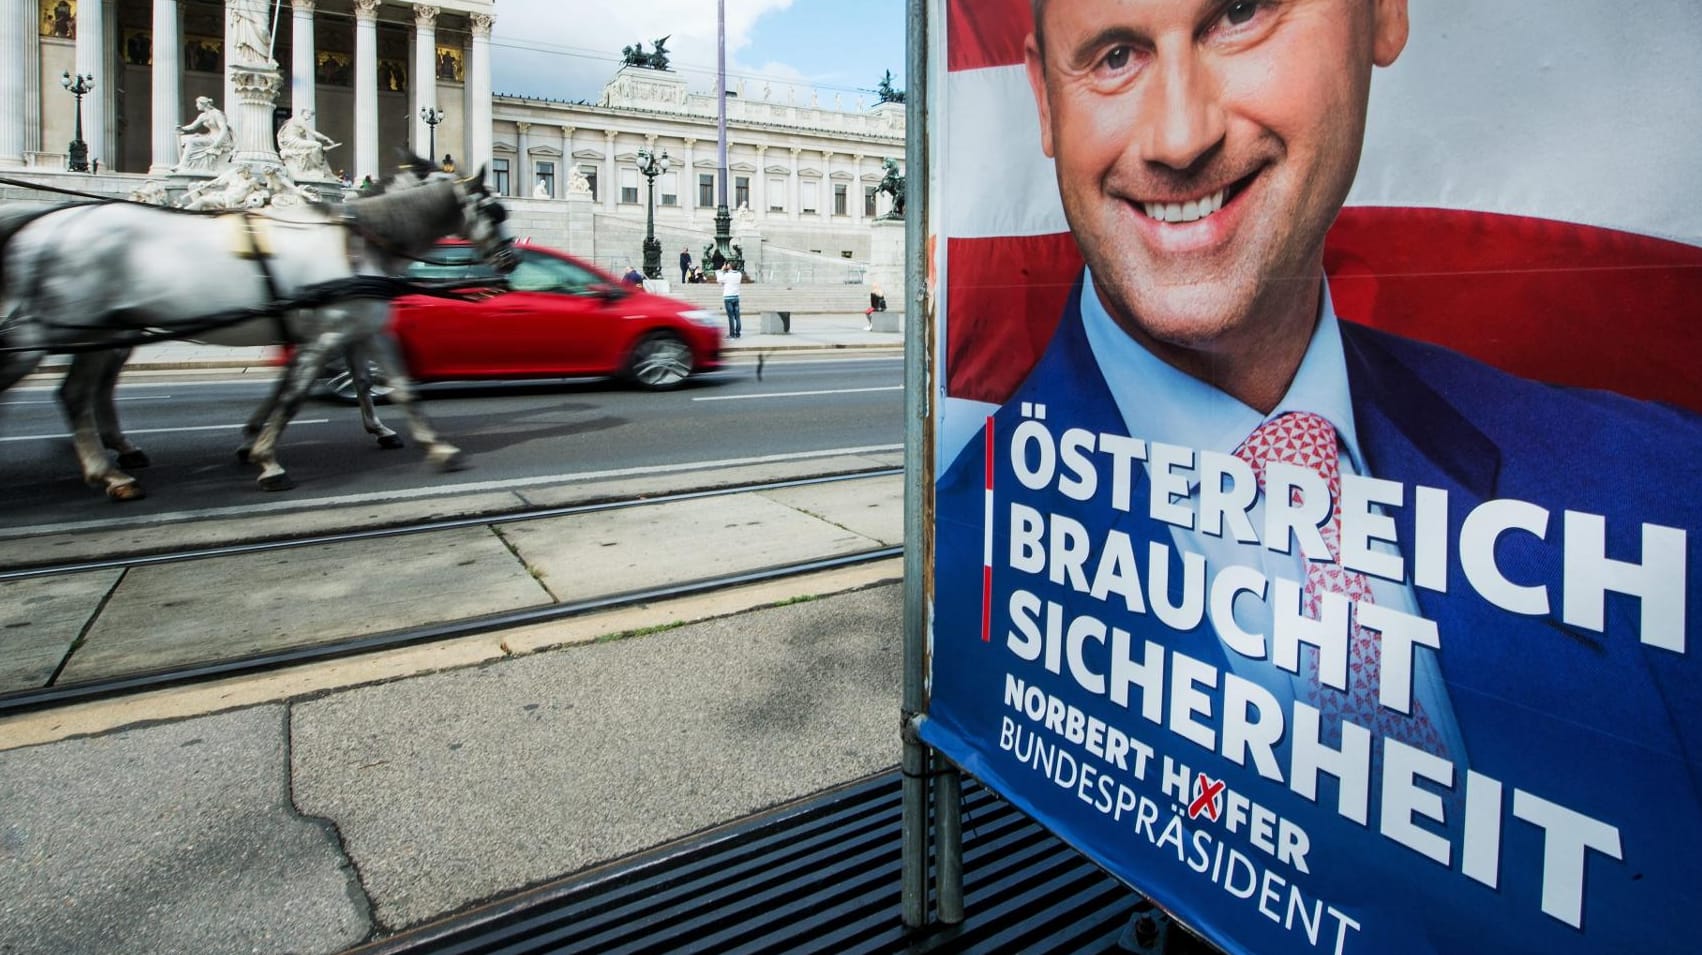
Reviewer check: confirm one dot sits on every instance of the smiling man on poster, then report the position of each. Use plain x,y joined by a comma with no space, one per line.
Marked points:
1432,619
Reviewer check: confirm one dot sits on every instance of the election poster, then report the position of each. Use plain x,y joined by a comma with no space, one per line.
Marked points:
1318,459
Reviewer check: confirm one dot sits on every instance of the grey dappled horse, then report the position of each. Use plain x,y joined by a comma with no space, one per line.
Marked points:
94,279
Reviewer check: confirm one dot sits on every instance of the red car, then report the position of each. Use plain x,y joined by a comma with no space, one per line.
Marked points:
552,317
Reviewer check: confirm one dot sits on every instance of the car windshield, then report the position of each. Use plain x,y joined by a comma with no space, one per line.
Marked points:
538,272
451,262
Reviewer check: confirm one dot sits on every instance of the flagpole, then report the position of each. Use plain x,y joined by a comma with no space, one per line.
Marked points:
723,216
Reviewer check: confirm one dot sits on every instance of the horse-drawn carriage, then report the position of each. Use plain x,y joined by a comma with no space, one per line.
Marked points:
94,279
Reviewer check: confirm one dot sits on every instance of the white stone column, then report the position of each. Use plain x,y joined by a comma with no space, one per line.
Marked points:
797,191
16,33
611,175
424,83
688,172
478,76
167,102
303,69
857,188
522,161
366,91
759,189
251,73
91,60
824,194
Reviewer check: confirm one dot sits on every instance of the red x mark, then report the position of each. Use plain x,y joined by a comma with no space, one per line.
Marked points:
1207,795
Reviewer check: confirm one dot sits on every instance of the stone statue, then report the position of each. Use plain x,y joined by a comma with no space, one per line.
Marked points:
283,191
635,56
886,91
150,193
237,188
577,184
893,184
302,148
767,92
541,191
251,41
743,218
207,141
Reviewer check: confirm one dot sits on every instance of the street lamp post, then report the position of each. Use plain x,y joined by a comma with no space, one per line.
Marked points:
650,166
79,88
432,116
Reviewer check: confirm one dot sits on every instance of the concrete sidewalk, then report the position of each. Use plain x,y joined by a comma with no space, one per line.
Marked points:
311,809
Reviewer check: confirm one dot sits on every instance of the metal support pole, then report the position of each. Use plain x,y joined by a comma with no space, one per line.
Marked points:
948,841
919,782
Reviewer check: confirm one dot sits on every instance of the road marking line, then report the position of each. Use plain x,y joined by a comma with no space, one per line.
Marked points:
17,404
473,487
800,394
202,427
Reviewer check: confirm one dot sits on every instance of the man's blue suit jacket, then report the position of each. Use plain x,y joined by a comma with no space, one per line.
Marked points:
1594,721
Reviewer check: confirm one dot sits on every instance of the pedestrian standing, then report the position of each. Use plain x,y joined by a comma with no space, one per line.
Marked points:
685,265
730,279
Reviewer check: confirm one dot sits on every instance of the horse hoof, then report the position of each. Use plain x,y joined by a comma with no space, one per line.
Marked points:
242,455
132,460
452,462
126,492
276,482
390,442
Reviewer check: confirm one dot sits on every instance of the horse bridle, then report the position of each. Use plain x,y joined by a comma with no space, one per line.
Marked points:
474,203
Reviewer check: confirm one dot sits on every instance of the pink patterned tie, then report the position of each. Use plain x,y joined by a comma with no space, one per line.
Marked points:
1309,441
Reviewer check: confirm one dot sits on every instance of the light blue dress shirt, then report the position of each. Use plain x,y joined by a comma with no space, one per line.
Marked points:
1160,403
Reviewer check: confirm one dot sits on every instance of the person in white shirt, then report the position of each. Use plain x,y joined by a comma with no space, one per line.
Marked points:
730,279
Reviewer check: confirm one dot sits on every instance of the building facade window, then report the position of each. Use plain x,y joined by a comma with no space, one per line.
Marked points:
670,189
706,189
869,202
840,205
741,191
590,174
499,177
807,197
547,178
776,194
629,186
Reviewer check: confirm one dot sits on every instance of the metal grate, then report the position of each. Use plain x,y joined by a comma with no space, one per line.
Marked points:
821,875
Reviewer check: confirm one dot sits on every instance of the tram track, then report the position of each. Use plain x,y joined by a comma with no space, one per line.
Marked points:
64,693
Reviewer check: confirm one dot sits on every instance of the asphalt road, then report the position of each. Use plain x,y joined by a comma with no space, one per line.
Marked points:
521,433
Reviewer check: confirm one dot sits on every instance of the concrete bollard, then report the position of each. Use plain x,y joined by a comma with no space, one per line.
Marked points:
776,323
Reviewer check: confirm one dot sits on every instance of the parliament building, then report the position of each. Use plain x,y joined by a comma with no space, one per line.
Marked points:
802,175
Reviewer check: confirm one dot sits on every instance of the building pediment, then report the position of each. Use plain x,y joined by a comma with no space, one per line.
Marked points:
502,146
840,175
589,154
778,170
809,172
549,152
742,166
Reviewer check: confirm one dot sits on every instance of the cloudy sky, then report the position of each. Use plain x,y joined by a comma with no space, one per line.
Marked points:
567,49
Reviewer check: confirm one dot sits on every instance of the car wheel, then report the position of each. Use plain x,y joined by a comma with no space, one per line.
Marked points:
659,361
341,382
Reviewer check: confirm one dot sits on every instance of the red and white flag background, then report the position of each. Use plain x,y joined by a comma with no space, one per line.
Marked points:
1530,194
